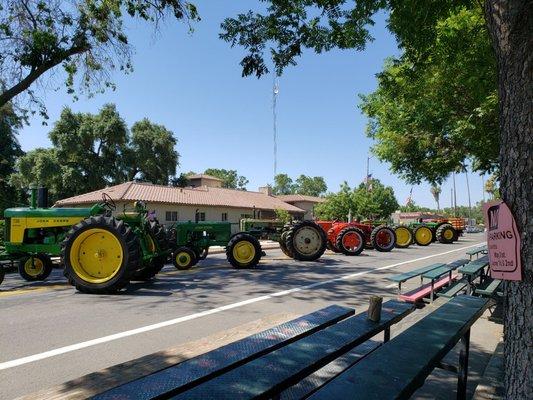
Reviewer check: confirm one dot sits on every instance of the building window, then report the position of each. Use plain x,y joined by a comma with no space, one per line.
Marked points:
171,216
201,216
224,216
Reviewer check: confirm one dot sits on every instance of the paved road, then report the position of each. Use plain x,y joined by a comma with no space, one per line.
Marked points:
51,334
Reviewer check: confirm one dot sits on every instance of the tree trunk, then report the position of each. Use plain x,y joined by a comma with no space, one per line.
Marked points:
510,24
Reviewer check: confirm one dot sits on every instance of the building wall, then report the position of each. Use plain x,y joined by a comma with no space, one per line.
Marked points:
308,206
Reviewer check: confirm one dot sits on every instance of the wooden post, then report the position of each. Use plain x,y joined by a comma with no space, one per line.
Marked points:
374,308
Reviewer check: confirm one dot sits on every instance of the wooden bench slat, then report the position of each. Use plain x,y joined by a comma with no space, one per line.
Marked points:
398,368
438,272
489,288
425,290
275,371
218,361
414,273
477,250
317,379
453,290
474,267
459,263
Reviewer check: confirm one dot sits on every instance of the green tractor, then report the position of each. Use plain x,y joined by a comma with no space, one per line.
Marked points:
191,242
100,253
303,241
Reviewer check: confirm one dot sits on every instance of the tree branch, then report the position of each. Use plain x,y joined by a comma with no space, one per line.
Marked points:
34,74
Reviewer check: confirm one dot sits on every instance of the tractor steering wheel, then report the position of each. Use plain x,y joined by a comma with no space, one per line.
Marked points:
108,202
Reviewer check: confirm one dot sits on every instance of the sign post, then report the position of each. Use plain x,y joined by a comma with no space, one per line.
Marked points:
503,242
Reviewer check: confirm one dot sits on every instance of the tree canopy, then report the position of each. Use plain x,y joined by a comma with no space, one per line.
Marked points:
9,151
85,37
375,202
230,178
304,185
92,151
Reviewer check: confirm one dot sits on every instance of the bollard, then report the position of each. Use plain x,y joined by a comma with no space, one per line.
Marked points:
374,308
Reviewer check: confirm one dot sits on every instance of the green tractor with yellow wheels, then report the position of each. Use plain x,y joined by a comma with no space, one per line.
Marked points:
424,232
100,253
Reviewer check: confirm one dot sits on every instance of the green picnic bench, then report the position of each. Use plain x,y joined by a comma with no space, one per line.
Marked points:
439,276
399,367
473,270
477,251
489,288
290,359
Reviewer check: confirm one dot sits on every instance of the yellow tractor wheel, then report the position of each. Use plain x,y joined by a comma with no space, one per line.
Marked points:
184,258
35,268
404,237
423,236
243,251
100,255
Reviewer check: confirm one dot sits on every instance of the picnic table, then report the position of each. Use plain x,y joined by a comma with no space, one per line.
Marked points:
399,367
401,278
477,251
266,364
473,270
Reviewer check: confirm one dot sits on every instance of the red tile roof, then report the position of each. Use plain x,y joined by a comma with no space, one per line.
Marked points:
290,198
205,196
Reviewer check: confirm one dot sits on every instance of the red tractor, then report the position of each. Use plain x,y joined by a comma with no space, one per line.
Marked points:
351,238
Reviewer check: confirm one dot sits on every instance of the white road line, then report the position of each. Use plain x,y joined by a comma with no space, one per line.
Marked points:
82,345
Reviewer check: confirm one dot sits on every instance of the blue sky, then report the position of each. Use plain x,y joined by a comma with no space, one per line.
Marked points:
192,84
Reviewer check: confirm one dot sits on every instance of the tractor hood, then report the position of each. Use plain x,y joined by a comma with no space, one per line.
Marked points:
26,212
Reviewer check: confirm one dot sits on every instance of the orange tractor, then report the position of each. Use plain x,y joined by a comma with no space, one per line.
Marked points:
351,238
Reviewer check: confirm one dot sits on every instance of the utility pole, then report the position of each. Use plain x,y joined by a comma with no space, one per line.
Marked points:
468,190
483,186
275,92
454,196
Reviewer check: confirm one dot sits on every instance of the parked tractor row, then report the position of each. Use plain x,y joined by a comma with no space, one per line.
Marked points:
102,250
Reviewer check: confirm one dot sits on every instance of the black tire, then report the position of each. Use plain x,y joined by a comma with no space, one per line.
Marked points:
446,234
420,229
184,258
374,238
332,248
41,269
283,245
160,235
341,245
131,251
154,266
408,231
252,251
2,274
302,247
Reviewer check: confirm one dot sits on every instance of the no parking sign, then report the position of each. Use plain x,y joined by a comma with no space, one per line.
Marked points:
503,242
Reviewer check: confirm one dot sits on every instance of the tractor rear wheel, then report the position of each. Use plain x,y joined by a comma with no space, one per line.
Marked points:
383,238
350,241
283,245
35,268
446,233
100,255
243,251
184,258
404,237
423,235
307,241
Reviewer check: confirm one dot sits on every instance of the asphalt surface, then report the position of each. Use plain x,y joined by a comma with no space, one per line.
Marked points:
49,333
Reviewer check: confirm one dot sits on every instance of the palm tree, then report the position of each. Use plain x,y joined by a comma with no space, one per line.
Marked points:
435,191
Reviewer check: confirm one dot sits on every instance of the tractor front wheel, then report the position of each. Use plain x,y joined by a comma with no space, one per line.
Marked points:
423,235
100,255
184,258
307,241
404,237
383,238
35,268
243,251
351,241
446,234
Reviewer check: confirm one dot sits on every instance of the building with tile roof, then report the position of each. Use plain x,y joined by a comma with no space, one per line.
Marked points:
172,204
306,203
